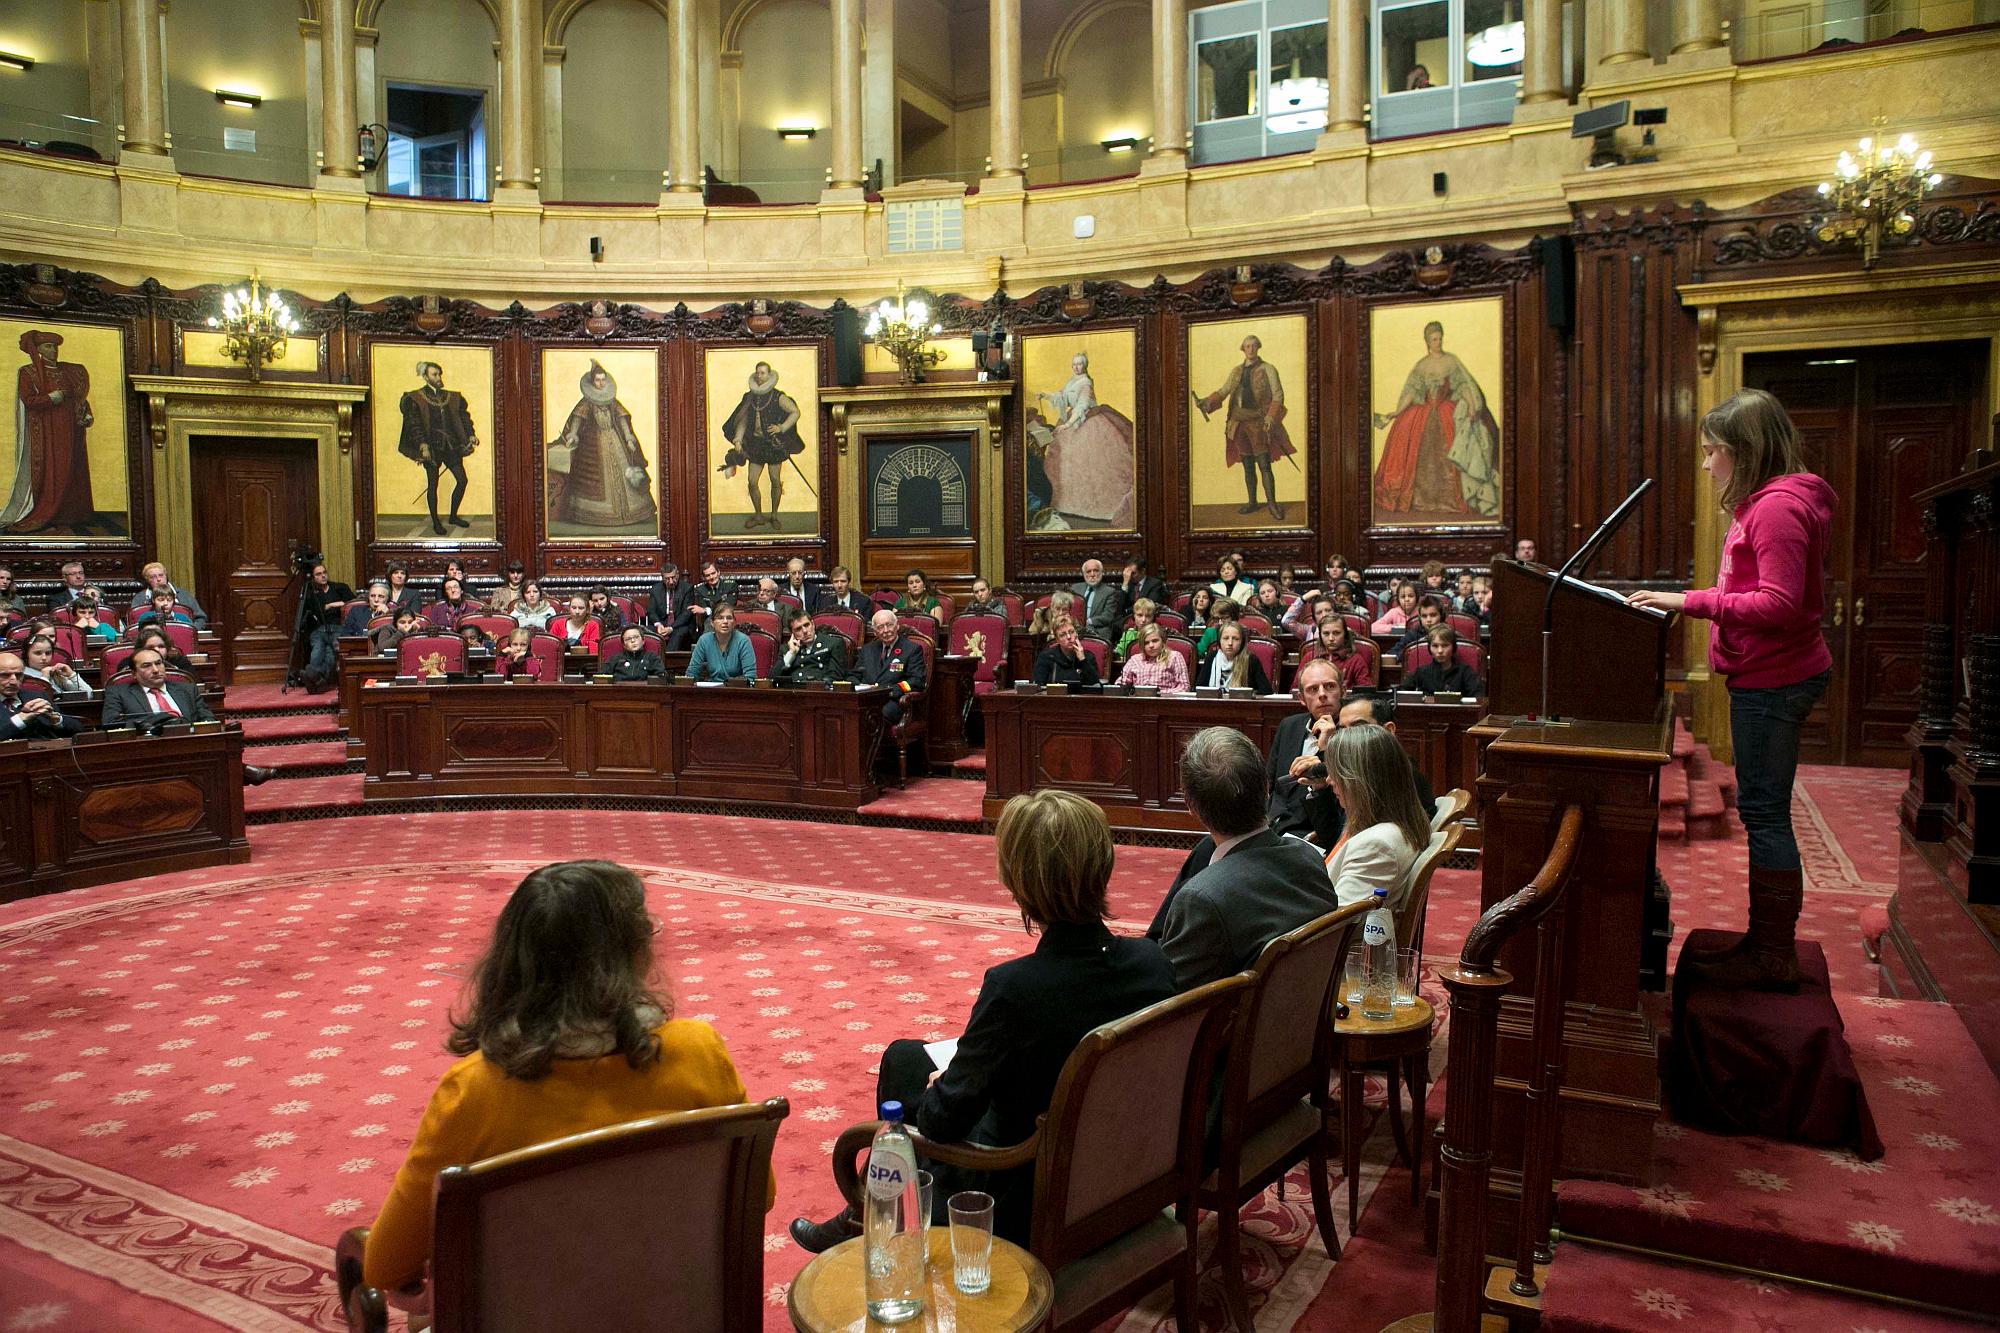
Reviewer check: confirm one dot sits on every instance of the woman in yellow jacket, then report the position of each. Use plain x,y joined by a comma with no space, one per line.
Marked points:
565,1034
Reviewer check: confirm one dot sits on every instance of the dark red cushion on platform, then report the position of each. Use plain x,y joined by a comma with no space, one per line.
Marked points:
1754,1062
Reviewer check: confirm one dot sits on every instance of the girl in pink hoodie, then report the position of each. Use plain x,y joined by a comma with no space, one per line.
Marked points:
1766,605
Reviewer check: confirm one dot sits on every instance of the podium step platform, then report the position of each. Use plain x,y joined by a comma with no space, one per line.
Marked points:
1921,1224
1697,793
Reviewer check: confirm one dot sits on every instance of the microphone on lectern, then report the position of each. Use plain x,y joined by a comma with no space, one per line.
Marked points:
1604,532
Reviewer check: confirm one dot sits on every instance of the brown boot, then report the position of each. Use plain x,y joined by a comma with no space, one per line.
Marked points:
1789,881
1767,957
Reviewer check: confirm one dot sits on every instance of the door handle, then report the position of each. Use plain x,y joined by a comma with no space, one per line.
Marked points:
1860,611
1839,612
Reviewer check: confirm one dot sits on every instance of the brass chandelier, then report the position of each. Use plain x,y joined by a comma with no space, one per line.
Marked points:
904,329
255,326
1874,193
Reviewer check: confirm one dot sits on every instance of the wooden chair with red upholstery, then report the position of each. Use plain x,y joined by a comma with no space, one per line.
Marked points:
492,624
1266,653
430,654
551,650
882,597
791,601
984,639
1185,647
68,638
763,647
1117,1159
1466,654
1100,651
1358,625
1255,624
1181,603
631,609
1173,622
945,608
919,625
1464,626
112,660
518,1240
181,636
1017,608
846,622
763,620
610,645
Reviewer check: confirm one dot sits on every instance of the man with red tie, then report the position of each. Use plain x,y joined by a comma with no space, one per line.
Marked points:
150,699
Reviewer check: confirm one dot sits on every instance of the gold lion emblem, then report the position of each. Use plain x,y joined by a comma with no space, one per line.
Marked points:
431,664
975,645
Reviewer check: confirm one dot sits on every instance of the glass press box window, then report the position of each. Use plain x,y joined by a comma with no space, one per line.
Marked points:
1257,78
1444,65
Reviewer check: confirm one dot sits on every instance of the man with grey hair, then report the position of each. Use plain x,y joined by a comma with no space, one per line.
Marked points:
1100,606
361,614
1258,884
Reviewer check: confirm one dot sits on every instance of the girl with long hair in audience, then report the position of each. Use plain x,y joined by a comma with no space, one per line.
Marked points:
534,611
1154,663
49,665
579,629
1201,609
515,658
1766,607
1386,827
1269,602
919,598
1055,857
1231,664
567,1029
1335,645
1401,613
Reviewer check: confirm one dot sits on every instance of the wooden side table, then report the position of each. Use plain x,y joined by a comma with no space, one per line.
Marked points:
1363,1043
827,1295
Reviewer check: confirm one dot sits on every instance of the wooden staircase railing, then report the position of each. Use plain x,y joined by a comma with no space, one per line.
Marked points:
1465,1160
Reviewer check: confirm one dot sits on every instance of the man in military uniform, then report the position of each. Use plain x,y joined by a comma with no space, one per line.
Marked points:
1255,432
893,660
438,433
811,655
763,432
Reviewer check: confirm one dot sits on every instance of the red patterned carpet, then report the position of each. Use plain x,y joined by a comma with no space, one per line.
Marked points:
209,1074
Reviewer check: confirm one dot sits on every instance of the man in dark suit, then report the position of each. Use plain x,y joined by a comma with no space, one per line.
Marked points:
810,655
360,613
1256,886
1139,583
1302,800
838,596
36,719
1100,607
669,610
893,659
710,593
150,699
73,584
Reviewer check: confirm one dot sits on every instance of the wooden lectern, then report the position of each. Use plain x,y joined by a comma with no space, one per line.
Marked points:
1608,685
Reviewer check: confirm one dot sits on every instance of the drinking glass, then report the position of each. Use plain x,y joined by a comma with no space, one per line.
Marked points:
1353,978
971,1241
1409,971
924,1197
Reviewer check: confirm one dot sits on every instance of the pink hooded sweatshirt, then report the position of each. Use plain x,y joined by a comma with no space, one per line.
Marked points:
1769,594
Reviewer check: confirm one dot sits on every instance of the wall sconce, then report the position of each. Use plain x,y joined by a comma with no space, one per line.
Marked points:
1123,144
241,101
11,61
797,133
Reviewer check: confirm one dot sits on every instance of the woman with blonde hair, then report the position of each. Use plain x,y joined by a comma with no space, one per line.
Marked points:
1766,605
1055,857
1386,828
566,1030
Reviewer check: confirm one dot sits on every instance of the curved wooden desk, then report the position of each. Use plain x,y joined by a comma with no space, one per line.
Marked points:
826,1296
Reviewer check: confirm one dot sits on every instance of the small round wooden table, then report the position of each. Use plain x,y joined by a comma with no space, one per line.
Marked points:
827,1295
1361,1044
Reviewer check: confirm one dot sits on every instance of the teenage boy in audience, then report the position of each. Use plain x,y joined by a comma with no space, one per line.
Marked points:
1444,673
837,595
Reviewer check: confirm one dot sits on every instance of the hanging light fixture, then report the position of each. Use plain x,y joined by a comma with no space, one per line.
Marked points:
255,325
1874,193
904,327
1503,44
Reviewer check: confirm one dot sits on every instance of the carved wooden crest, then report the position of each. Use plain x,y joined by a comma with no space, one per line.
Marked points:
430,316
44,290
1075,305
760,321
1245,290
1435,270
598,319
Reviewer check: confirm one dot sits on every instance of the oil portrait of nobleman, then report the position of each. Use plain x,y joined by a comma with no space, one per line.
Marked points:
1437,454
65,474
762,409
600,462
434,479
1244,469
1081,450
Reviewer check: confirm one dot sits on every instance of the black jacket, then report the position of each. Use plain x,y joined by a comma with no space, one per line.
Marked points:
127,703
1259,681
1152,588
669,607
48,726
902,664
1054,667
824,658
641,665
855,602
1435,679
1293,807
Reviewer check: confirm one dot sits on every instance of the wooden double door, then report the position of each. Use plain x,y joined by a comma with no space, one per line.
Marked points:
1880,424
255,502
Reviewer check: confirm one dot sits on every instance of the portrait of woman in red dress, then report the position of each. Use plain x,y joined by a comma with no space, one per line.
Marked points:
1441,459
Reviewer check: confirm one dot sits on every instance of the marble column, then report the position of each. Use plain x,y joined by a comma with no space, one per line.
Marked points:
337,116
1697,25
1003,99
145,77
846,94
1347,64
520,66
1170,86
1542,63
684,114
1625,38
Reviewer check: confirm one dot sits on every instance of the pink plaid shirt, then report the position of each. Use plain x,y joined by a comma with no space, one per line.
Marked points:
1169,673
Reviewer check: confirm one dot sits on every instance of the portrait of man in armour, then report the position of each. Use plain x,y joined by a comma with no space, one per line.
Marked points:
760,409
763,434
438,433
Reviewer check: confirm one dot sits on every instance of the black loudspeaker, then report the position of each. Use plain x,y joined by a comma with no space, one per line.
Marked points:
847,346
1558,255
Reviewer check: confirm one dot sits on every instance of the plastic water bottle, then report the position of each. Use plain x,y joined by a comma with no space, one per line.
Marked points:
893,1240
1378,959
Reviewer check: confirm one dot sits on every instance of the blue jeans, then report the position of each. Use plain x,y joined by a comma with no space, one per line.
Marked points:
1765,726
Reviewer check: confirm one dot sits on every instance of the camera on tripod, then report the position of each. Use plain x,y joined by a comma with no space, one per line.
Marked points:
303,559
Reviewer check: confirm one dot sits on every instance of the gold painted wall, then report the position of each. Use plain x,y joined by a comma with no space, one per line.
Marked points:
787,80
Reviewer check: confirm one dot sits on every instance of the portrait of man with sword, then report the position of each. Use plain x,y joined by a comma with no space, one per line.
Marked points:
763,435
1254,435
